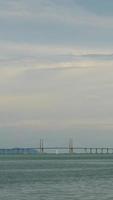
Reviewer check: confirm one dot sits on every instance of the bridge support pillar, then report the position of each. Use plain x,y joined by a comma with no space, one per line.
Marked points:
85,150
70,146
102,150
90,150
41,146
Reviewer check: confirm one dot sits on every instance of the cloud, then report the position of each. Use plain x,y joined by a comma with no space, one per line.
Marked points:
17,58
52,12
10,47
31,102
9,73
101,8
56,64
51,124
94,123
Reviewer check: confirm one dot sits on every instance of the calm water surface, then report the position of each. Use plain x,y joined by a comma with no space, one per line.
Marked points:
56,177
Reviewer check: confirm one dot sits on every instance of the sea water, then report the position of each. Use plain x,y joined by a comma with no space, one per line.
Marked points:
56,177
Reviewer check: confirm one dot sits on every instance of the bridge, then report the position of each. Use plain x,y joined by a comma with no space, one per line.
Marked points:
55,149
85,150
71,149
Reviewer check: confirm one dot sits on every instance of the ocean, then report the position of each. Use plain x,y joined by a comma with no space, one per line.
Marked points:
56,177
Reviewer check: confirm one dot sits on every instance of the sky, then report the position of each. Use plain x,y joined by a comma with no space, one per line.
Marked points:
56,72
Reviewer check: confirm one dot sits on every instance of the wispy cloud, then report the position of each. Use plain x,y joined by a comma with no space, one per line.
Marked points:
56,64
41,12
31,56
26,102
8,47
52,124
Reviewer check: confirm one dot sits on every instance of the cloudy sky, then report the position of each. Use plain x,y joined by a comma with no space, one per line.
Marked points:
56,72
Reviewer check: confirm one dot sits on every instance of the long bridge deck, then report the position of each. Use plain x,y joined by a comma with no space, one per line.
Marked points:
56,149
80,149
